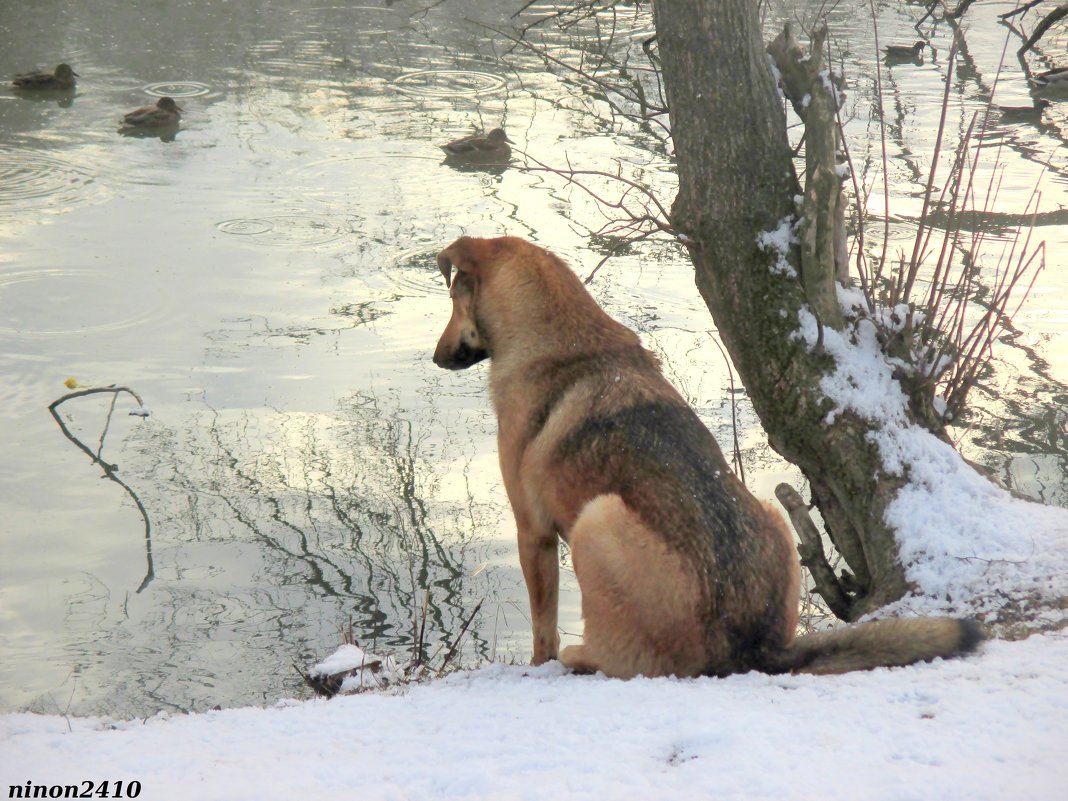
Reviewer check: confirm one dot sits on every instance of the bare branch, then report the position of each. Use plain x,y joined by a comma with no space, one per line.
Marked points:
1021,10
658,219
648,111
1056,14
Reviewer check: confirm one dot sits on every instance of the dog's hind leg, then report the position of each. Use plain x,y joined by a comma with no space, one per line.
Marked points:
640,598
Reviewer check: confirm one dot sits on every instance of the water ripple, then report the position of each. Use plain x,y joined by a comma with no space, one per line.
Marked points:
61,300
416,270
284,230
31,180
449,83
176,89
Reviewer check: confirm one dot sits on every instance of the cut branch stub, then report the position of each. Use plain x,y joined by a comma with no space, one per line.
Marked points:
814,98
812,555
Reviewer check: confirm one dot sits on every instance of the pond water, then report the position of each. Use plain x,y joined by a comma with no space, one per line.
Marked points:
265,282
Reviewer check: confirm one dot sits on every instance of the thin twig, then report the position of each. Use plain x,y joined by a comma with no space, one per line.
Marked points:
456,643
917,248
613,251
652,113
419,650
734,410
877,278
659,219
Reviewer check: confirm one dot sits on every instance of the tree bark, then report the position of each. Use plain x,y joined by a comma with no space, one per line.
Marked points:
736,180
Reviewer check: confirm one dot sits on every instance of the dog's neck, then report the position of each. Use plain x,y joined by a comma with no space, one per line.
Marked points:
555,340
532,313
543,320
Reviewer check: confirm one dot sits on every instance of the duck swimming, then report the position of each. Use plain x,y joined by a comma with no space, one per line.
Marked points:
164,114
1050,79
479,147
912,51
1032,113
61,79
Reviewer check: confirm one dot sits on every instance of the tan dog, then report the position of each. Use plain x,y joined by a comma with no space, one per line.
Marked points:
682,571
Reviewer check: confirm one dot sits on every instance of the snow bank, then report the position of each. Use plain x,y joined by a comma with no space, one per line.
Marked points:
963,538
987,727
968,545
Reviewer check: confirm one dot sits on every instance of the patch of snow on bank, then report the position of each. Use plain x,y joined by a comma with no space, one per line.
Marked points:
964,538
363,670
968,545
986,728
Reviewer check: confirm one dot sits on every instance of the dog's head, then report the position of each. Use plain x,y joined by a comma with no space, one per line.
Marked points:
463,343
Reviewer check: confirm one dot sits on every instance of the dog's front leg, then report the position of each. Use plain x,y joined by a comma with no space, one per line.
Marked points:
539,557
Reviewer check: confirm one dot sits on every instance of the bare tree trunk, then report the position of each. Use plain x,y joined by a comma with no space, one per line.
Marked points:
736,180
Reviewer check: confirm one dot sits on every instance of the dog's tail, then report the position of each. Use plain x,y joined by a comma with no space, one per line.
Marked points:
880,643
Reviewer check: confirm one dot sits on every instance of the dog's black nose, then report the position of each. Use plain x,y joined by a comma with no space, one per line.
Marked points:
463,357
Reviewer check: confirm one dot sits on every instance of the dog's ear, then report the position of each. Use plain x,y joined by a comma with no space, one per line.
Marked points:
467,254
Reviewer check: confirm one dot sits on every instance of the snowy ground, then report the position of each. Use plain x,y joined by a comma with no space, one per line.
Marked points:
992,726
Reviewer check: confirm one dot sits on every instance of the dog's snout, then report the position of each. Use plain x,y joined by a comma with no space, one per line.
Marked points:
459,358
441,359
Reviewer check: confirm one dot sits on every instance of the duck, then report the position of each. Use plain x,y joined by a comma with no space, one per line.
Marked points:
165,114
1056,78
62,79
480,147
1032,113
912,51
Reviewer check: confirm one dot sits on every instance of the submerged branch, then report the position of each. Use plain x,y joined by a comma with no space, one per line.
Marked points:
1021,9
110,470
463,630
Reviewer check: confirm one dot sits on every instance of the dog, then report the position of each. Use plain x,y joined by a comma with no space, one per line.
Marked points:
682,571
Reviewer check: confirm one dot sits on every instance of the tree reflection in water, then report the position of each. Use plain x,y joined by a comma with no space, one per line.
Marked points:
277,530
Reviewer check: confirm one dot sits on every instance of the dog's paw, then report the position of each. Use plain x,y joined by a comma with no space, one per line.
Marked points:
576,659
546,649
